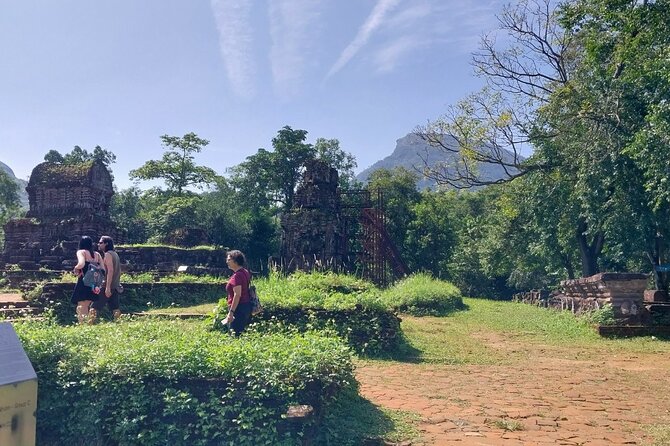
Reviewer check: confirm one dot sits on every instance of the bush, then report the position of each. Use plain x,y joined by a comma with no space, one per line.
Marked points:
329,291
421,294
151,382
600,316
55,297
344,305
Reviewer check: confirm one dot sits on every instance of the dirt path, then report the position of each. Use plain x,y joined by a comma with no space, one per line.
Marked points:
549,400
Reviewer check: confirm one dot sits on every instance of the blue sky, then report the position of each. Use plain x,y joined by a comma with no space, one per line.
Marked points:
120,74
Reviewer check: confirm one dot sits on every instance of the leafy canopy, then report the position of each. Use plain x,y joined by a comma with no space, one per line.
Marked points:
177,167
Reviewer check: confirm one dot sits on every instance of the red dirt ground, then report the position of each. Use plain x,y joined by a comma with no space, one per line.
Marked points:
556,401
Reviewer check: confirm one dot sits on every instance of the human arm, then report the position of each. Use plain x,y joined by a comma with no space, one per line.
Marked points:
81,262
108,265
237,295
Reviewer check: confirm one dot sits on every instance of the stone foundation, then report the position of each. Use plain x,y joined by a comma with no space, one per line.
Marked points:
623,291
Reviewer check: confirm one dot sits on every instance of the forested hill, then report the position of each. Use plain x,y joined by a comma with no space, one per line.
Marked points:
410,152
23,195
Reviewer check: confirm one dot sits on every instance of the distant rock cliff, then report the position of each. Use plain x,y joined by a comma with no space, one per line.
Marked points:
23,195
410,153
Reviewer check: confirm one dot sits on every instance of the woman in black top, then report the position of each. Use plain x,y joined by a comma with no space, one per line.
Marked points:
82,296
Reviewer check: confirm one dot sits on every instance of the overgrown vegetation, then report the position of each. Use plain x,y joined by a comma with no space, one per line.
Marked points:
355,309
421,294
150,382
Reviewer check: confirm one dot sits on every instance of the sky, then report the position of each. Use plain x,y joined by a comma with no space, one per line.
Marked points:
121,74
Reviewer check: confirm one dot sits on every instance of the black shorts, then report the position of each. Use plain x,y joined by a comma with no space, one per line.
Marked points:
112,301
242,317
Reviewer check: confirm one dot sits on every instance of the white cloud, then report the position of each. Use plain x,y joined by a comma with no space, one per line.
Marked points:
294,29
233,22
430,25
408,17
372,23
387,58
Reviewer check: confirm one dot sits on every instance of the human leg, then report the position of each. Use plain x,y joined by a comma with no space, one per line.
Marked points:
83,310
115,305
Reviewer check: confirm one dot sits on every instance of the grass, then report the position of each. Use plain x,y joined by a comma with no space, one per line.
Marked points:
204,309
355,419
509,425
495,332
660,434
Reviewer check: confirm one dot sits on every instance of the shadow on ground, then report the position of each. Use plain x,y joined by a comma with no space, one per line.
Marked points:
354,420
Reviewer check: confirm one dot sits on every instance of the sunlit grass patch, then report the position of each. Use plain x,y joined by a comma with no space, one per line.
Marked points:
660,434
354,419
509,425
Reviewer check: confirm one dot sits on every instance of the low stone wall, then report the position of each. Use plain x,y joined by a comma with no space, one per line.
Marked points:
136,297
18,279
624,291
164,258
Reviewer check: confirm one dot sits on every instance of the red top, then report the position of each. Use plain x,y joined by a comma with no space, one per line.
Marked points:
240,277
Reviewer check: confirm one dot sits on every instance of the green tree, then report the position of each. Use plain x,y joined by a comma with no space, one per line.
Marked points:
79,155
569,84
430,235
9,200
329,150
231,223
270,178
126,210
177,168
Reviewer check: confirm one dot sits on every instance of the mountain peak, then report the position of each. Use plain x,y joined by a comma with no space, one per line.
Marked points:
413,153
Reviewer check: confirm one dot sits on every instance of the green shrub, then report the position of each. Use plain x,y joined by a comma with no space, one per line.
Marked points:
136,297
155,383
329,291
341,304
421,295
600,316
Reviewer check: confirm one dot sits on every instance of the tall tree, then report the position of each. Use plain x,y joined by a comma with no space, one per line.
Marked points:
9,200
569,84
177,168
271,177
9,194
79,155
329,150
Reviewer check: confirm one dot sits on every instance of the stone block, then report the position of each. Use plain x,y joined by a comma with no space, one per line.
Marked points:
655,296
18,391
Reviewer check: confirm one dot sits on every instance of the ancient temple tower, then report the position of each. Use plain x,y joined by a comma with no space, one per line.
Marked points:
312,234
66,202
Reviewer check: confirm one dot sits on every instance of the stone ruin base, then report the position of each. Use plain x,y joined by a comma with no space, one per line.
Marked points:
623,291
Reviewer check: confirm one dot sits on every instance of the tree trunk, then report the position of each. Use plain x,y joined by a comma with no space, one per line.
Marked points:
589,252
567,263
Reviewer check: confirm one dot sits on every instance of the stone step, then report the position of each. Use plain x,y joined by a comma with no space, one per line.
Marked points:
18,312
15,304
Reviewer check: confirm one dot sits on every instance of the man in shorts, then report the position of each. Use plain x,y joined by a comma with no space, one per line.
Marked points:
113,287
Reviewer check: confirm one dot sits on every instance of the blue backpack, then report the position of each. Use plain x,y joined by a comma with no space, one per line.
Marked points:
94,277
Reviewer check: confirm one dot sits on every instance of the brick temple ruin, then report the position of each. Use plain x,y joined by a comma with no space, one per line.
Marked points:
312,231
66,203
340,231
633,305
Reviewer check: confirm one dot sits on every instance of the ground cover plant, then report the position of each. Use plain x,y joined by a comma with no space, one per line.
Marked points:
158,382
355,309
342,304
421,294
457,339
